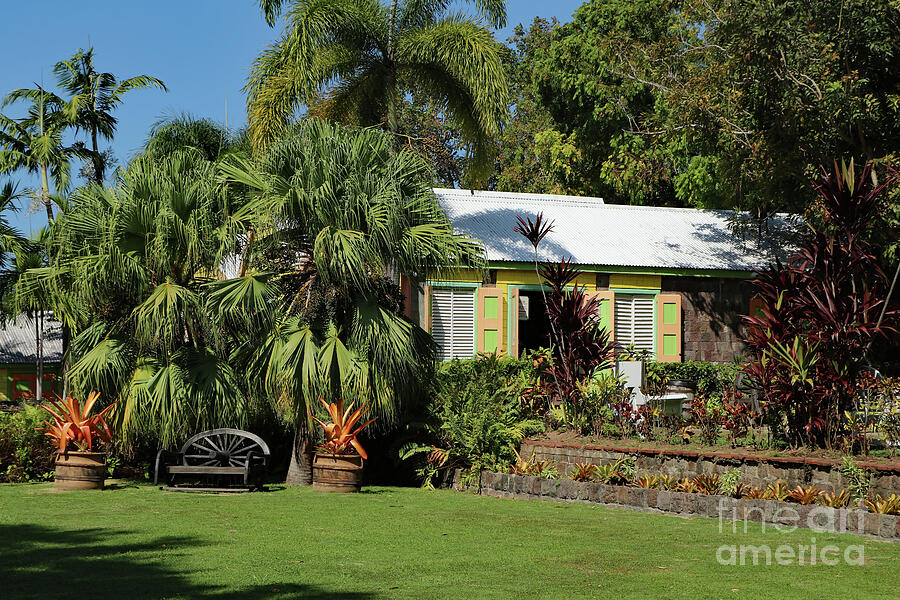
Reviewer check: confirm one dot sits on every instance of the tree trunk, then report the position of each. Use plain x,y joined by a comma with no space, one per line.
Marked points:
66,338
45,193
300,469
98,160
39,340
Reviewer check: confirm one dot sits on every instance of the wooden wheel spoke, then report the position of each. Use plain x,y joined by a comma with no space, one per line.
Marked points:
234,442
197,444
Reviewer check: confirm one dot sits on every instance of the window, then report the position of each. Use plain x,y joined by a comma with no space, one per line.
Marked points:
634,320
453,322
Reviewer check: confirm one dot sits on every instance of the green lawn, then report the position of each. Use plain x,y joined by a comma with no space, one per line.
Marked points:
135,542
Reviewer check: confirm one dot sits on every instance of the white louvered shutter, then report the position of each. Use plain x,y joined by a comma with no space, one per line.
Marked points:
634,321
453,322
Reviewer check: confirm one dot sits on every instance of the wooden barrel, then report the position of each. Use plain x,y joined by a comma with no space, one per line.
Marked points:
80,471
337,473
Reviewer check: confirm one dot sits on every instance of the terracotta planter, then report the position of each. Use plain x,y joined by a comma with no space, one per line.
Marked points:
337,473
80,471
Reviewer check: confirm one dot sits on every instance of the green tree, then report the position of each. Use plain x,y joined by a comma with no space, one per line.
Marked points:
17,255
354,61
721,103
139,265
94,97
34,143
341,214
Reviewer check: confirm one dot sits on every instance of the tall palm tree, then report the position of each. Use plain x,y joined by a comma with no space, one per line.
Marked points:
140,262
366,56
35,142
95,96
339,212
17,255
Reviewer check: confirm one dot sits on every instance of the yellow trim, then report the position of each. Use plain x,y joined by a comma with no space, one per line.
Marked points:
630,281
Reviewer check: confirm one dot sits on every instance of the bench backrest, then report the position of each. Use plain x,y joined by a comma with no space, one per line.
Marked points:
223,447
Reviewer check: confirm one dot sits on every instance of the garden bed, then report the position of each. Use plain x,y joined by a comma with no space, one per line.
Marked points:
757,468
768,512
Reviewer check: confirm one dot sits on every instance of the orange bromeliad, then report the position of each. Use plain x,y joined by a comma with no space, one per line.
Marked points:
339,434
74,423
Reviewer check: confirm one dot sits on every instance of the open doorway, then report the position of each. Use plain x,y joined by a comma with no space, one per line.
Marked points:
534,325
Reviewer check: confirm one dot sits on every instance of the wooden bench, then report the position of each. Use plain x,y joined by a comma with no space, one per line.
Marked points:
226,459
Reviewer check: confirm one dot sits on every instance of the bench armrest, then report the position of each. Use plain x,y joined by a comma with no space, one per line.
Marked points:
163,459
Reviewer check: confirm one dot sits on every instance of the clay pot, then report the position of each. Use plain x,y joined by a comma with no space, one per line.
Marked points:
337,472
80,471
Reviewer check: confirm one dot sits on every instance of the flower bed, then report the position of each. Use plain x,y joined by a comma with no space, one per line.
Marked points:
756,470
769,512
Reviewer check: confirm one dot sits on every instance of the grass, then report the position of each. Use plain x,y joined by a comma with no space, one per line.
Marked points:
137,542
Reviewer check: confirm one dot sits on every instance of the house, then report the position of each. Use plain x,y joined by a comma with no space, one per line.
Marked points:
671,281
18,358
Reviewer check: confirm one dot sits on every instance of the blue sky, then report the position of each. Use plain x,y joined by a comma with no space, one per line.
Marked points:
201,49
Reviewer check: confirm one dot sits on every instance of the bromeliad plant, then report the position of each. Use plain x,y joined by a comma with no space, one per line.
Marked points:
340,436
74,425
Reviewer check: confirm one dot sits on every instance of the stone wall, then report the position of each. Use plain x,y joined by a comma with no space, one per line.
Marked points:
769,512
755,471
711,309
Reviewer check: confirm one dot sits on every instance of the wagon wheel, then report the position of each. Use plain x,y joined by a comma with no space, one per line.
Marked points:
222,448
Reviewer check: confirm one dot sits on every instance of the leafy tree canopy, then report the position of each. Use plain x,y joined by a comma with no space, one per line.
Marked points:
711,103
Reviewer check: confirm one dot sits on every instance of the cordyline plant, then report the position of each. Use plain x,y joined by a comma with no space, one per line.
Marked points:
580,346
819,314
339,434
74,425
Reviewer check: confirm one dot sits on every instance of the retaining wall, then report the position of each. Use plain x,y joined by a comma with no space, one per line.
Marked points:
755,471
769,512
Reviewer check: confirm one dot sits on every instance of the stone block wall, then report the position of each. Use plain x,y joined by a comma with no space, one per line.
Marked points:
770,512
711,315
755,471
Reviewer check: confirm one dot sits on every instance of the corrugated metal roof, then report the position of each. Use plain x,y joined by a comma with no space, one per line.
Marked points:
594,233
17,341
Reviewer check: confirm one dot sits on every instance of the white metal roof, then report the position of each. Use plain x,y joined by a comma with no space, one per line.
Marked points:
18,344
594,233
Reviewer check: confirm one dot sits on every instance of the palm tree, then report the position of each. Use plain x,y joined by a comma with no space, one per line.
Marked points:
366,56
140,263
184,131
17,255
339,214
35,142
94,98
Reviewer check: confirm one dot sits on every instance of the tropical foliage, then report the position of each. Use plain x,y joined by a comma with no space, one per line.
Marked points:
342,216
73,423
93,98
34,143
712,104
339,433
820,313
354,61
136,276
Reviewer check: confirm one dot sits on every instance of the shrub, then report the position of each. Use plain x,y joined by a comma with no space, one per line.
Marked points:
712,379
820,313
858,481
26,454
475,416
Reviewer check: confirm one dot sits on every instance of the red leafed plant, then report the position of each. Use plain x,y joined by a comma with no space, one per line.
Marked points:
339,434
820,313
74,425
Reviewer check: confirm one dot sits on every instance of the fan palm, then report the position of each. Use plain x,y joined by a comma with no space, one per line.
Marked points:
140,262
365,56
343,214
183,131
35,142
94,98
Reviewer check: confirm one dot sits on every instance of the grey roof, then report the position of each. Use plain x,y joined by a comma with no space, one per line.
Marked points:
591,232
17,341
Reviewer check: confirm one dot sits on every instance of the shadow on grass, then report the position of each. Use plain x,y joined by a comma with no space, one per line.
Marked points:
47,562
